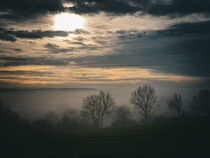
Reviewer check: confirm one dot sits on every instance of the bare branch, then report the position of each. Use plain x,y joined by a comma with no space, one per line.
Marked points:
144,100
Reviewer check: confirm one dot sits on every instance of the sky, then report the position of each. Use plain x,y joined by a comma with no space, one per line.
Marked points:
100,43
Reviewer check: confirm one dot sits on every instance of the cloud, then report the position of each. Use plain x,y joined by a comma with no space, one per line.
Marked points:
39,34
12,35
178,7
192,43
5,36
180,29
175,30
15,10
37,73
53,48
80,31
76,48
108,6
25,9
179,49
153,7
81,75
17,49
16,61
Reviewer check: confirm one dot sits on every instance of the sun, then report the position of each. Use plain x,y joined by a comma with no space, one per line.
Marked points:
68,22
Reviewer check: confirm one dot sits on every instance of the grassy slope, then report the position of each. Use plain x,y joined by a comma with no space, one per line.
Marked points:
185,139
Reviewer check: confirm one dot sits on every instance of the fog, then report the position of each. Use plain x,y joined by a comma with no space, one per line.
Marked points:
33,104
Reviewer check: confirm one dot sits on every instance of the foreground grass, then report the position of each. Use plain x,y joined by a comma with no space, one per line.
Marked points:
175,140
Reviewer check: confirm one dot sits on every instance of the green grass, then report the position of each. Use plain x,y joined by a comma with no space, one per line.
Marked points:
175,140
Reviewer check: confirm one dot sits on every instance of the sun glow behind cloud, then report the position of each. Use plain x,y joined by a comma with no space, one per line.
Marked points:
103,43
68,22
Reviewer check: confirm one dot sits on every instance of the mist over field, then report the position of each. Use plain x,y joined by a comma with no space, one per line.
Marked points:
37,102
34,104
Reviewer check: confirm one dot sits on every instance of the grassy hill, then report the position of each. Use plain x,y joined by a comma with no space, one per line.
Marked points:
172,140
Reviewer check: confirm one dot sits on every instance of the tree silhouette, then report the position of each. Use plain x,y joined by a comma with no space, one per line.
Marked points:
200,104
123,117
144,100
123,113
175,104
70,120
96,107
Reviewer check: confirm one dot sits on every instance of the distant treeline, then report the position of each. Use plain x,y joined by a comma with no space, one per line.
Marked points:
101,108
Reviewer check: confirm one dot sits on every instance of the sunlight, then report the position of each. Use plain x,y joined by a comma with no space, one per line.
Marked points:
68,22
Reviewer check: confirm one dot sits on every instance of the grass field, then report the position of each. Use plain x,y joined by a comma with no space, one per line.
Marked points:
173,140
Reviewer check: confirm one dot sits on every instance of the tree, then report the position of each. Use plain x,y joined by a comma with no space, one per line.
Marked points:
70,120
200,104
97,107
123,116
10,122
122,113
175,104
41,126
144,100
52,117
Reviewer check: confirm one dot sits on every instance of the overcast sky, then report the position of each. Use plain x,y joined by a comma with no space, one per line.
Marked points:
94,43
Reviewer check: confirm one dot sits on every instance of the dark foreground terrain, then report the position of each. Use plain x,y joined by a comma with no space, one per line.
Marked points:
172,140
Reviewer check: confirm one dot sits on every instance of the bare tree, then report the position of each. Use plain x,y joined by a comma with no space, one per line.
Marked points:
122,114
200,104
97,107
144,100
70,120
123,117
175,104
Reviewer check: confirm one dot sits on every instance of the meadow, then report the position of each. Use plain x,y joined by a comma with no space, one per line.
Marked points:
189,138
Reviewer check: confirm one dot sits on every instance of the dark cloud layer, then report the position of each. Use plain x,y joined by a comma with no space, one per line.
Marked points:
5,36
108,6
24,73
25,9
153,7
16,61
12,35
179,7
196,28
53,48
